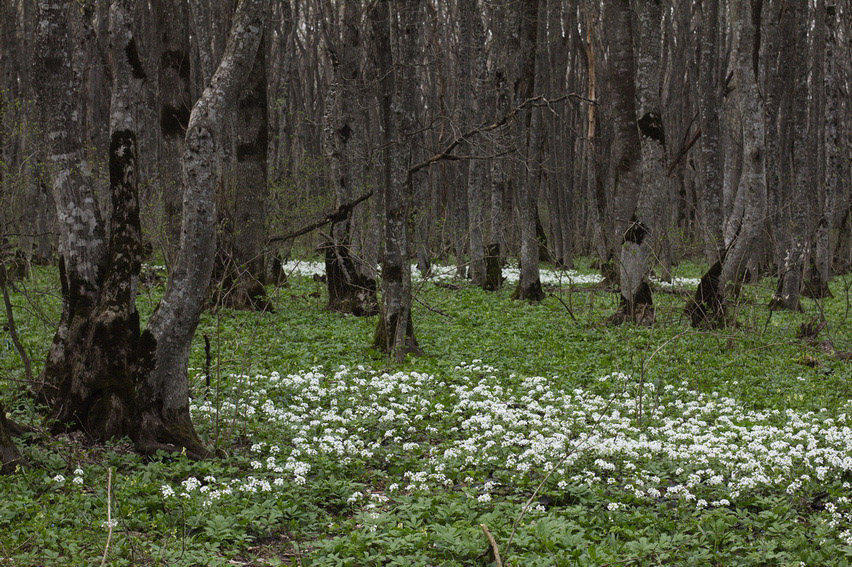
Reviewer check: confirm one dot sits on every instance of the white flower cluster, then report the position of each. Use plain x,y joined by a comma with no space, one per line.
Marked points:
689,283
702,450
512,275
443,273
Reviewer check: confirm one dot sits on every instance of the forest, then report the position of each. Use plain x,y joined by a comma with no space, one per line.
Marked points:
425,282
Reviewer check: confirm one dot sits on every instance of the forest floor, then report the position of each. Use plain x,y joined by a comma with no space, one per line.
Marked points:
569,441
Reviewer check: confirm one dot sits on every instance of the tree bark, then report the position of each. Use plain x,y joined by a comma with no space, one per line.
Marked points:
710,102
472,56
241,262
10,458
398,93
81,238
529,141
788,294
163,398
636,301
174,74
349,289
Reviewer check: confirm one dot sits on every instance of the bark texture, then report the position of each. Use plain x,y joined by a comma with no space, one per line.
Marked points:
163,398
636,303
395,332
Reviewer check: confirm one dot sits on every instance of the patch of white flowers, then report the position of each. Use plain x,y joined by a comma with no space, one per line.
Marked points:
698,450
443,273
512,275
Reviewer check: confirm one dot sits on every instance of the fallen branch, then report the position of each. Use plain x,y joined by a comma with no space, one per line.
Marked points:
339,214
432,309
494,549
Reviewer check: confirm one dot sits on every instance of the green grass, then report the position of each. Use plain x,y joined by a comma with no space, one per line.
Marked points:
759,363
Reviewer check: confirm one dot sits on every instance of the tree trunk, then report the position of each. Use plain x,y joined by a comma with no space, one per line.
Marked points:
81,240
174,73
818,266
529,140
398,93
710,103
241,273
636,301
163,399
10,458
472,57
349,289
788,294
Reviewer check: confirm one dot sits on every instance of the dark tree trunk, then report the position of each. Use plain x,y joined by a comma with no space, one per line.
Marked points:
530,134
349,289
636,301
710,102
10,458
174,73
398,93
81,239
241,275
788,294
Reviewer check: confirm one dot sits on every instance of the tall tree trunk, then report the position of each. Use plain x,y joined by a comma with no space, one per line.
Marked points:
652,130
837,163
241,260
722,282
788,293
710,102
529,141
174,75
349,289
163,398
636,300
81,239
818,266
398,86
472,56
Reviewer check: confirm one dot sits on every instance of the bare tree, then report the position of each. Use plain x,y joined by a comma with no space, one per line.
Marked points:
636,300
102,374
398,93
528,141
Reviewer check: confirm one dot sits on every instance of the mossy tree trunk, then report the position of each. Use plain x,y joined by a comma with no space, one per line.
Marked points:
164,421
102,375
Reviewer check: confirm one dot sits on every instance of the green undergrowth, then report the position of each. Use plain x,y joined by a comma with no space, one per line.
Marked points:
310,456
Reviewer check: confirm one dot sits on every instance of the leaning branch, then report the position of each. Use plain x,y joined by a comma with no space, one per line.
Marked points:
339,214
534,102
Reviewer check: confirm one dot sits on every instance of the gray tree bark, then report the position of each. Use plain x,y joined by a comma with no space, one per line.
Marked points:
241,267
174,75
790,280
636,300
529,140
82,246
710,101
395,332
472,56
165,422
